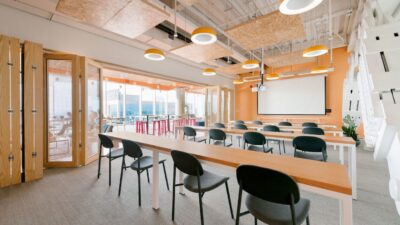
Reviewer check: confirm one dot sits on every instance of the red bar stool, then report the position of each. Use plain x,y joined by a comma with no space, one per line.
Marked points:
163,127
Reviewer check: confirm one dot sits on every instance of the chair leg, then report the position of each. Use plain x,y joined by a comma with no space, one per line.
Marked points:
148,177
238,206
99,166
109,171
201,209
139,191
255,221
279,144
173,194
120,179
165,174
284,149
308,220
229,199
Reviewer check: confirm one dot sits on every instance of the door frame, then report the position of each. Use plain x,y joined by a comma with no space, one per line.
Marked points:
76,131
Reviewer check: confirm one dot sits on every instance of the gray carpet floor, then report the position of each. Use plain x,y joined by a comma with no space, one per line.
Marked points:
76,197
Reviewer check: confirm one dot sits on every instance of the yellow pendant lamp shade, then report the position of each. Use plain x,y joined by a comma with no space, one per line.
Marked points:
239,81
250,64
204,36
272,76
315,50
293,7
154,54
319,69
209,72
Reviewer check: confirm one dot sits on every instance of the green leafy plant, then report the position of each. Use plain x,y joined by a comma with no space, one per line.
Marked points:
349,127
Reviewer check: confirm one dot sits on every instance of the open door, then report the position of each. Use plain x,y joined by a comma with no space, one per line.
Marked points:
62,121
91,105
213,106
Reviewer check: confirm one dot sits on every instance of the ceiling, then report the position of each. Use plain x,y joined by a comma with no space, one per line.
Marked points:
151,22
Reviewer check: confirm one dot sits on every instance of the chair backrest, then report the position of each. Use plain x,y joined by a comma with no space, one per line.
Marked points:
285,123
105,141
187,163
217,134
271,128
309,144
240,126
239,122
267,184
309,124
313,130
110,128
254,138
189,131
132,149
219,125
257,122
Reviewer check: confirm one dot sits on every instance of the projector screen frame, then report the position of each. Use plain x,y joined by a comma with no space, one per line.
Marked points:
296,114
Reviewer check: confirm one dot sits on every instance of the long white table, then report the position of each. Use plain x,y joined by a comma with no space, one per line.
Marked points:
343,143
327,179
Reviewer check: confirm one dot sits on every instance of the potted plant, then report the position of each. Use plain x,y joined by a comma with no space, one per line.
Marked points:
349,128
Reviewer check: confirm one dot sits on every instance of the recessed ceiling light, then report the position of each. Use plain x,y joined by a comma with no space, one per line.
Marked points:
315,50
293,7
204,36
250,64
154,54
272,76
239,81
209,72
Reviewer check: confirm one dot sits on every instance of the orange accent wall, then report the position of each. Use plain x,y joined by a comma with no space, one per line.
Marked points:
246,101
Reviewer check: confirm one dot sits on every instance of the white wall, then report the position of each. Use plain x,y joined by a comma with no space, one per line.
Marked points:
60,37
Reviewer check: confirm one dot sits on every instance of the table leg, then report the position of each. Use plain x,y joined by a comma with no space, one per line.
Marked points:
346,211
341,154
353,159
335,146
180,180
155,185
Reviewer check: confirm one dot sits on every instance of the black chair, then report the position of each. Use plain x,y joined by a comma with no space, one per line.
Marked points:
285,123
311,148
191,134
313,130
218,137
106,142
257,122
239,122
273,128
198,180
140,164
273,197
309,124
256,141
219,125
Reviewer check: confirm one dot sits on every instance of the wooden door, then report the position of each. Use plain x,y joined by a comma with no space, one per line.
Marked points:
10,111
63,110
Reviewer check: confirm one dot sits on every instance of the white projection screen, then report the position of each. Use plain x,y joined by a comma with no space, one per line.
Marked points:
299,96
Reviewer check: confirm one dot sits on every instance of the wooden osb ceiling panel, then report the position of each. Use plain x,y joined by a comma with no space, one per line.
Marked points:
287,59
136,18
267,30
93,12
234,69
202,53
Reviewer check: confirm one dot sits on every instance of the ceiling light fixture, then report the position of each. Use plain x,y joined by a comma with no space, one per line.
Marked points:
319,69
204,36
315,50
209,72
250,64
293,7
239,81
154,54
272,76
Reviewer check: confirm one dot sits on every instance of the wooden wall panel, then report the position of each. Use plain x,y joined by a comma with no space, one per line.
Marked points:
10,147
267,30
33,110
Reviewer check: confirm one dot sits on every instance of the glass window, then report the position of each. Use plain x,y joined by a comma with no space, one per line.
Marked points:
132,100
195,104
171,107
148,97
113,94
161,102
